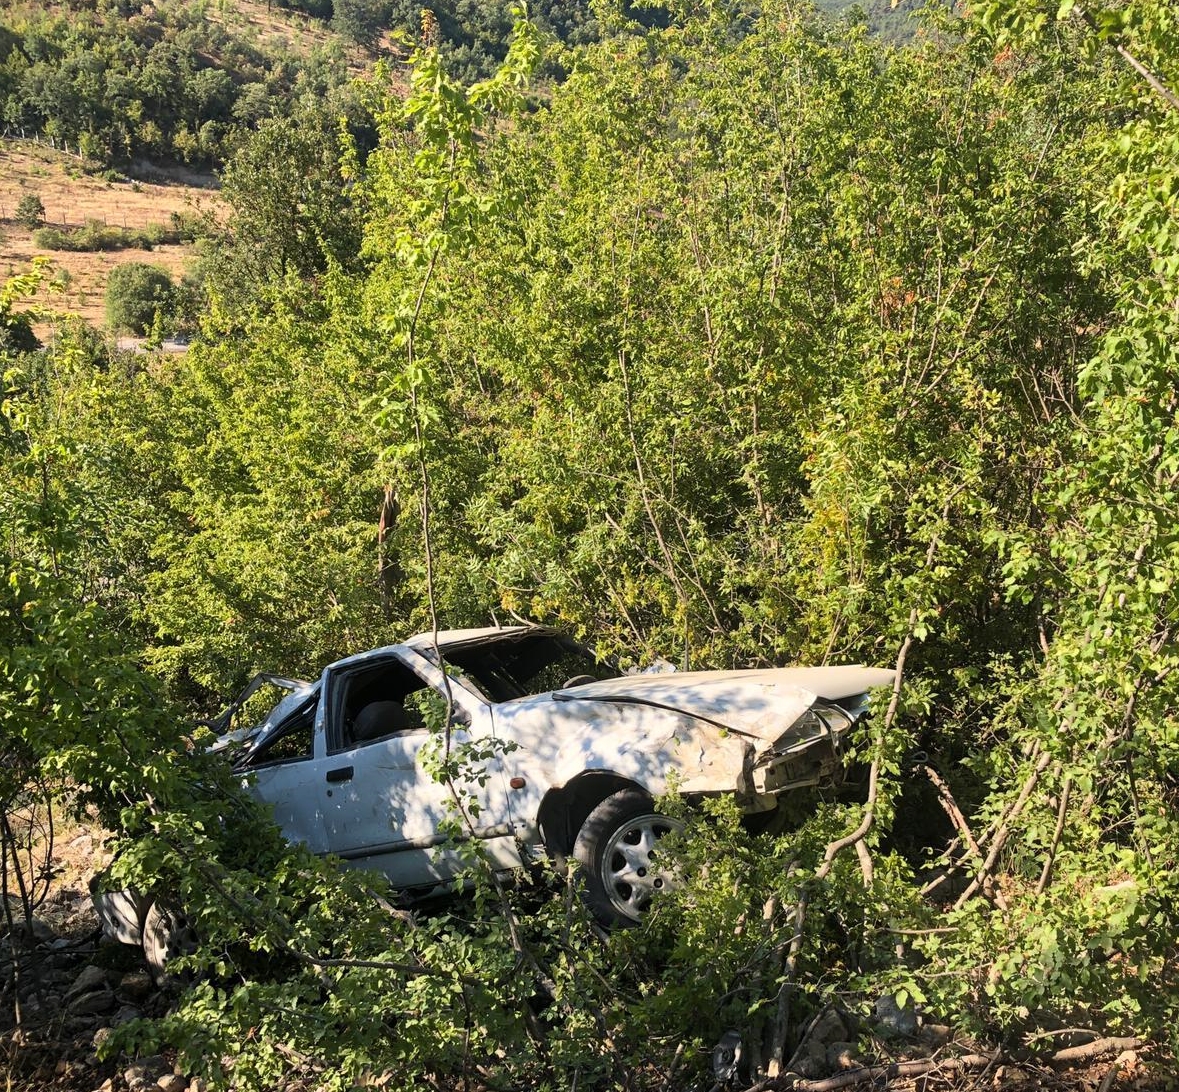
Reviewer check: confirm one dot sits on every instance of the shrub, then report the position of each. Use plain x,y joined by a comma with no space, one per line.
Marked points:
136,293
96,235
30,212
52,238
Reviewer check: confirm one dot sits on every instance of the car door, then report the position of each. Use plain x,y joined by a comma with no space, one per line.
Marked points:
381,808
284,770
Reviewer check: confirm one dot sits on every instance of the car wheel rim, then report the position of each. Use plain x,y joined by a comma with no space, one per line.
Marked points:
632,868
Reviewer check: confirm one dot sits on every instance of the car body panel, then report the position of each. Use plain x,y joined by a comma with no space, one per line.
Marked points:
371,801
650,746
700,732
756,702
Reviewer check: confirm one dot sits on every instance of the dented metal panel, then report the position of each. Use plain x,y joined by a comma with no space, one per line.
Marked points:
762,703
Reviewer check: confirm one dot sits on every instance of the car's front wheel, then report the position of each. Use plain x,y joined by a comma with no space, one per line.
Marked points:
622,864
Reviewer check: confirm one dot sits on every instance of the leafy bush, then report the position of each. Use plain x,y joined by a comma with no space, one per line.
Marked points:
137,296
30,211
96,235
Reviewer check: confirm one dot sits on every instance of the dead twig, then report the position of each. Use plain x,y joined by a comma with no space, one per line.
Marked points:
1062,811
874,1074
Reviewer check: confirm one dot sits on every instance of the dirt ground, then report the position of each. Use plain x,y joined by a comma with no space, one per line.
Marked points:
71,198
68,983
77,986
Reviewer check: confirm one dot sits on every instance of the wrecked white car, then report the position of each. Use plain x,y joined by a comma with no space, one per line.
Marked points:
579,753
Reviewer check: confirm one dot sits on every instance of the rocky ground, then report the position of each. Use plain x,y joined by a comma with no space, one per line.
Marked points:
63,988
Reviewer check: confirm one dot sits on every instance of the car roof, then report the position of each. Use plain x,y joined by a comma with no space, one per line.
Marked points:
455,638
448,641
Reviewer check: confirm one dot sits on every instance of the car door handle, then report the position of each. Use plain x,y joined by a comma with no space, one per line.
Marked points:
343,773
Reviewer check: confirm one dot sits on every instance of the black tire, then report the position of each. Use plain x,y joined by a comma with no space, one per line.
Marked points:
616,848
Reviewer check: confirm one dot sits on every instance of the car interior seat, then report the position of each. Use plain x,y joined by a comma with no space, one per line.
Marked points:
377,719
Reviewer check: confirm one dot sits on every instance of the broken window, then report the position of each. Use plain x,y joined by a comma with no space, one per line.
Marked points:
517,666
291,740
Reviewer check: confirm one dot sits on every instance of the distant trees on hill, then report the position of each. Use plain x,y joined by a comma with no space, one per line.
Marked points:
118,79
113,80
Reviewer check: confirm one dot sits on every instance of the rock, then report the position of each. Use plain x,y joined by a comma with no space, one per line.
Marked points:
40,932
813,1063
197,1085
142,1084
935,1035
172,1082
91,978
101,1035
96,1001
150,1069
829,1028
30,1005
135,985
106,1086
893,1018
842,1056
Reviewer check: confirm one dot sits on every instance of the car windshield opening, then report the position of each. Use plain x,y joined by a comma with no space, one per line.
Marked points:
289,740
527,664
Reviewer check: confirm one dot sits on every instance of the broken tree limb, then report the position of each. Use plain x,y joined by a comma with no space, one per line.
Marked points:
777,1033
1087,1051
876,1074
950,807
1062,811
1004,830
865,825
873,1073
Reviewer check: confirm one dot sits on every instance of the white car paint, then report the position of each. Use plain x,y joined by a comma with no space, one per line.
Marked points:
373,804
558,753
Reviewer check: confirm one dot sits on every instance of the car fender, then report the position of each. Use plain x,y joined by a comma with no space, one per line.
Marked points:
656,749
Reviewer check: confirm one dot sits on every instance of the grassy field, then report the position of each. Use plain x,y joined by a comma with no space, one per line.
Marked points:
70,199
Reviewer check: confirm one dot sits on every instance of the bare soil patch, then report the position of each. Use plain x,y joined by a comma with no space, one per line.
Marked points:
71,198
277,30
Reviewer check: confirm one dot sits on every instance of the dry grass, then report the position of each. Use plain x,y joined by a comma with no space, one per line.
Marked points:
294,32
70,199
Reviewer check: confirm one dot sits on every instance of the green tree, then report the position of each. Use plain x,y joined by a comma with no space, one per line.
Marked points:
136,295
359,21
30,211
16,327
291,213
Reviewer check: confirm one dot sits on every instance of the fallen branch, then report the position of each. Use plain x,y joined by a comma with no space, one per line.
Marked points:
874,1074
1004,831
1095,1049
1061,812
950,807
776,1040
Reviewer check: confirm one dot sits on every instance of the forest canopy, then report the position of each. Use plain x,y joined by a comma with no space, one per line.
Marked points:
758,341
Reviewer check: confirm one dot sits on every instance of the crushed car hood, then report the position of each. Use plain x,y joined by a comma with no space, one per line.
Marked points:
759,703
